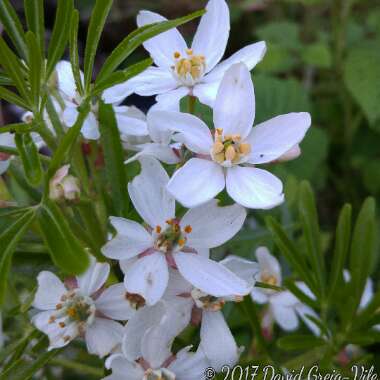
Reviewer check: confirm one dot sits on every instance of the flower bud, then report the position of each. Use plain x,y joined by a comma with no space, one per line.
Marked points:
64,186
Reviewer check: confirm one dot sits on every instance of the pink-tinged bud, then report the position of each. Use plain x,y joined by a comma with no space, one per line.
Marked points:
64,186
291,154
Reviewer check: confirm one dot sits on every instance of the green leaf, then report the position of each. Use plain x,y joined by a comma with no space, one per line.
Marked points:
34,12
310,225
67,142
342,245
97,21
13,68
121,76
35,68
60,34
317,55
114,159
362,248
54,117
291,253
299,342
5,80
74,54
13,98
136,38
362,78
30,158
8,242
65,250
16,128
13,27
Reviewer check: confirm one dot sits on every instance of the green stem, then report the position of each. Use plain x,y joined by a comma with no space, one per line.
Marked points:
191,104
78,367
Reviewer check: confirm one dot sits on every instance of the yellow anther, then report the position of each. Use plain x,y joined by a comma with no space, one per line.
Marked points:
218,147
188,229
71,312
245,148
170,222
230,153
219,131
158,229
177,55
189,51
58,306
181,242
235,138
62,325
269,279
52,319
219,157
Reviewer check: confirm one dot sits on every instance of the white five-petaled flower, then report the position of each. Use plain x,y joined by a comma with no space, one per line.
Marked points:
195,71
82,308
205,308
226,157
126,118
284,307
168,241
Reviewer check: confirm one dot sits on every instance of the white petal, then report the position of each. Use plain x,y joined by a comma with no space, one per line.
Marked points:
161,152
90,127
254,188
94,277
163,46
103,336
69,116
245,269
234,108
177,285
113,304
117,93
66,81
190,365
269,265
49,292
148,277
144,318
259,296
223,350
7,139
160,129
285,316
152,81
149,195
212,34
249,55
213,225
206,92
196,135
197,182
170,100
128,124
304,311
273,138
131,240
121,366
209,276
4,165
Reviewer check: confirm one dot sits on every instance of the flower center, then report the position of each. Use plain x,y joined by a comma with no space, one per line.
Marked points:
159,374
189,69
76,309
229,148
206,301
172,237
269,279
135,300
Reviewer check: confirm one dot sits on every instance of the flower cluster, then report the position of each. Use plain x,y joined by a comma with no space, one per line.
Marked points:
170,279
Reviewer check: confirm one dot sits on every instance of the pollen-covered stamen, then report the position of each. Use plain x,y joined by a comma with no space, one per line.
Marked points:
229,148
171,238
159,374
269,279
206,301
135,300
189,69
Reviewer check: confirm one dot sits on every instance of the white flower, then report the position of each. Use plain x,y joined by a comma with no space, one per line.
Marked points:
6,139
82,309
180,71
160,143
284,307
206,309
168,241
149,357
64,186
125,117
226,157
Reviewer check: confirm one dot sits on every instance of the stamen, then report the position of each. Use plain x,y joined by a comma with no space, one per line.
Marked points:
177,55
181,242
218,147
62,325
58,306
189,51
52,319
188,229
230,153
71,312
158,229
244,148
